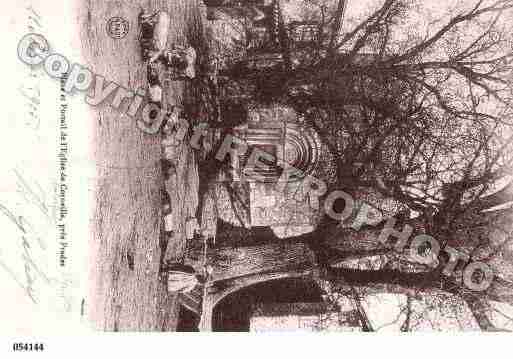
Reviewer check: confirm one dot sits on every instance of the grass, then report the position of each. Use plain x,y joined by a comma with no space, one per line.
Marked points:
126,292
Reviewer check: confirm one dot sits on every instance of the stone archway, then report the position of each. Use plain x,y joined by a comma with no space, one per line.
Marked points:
233,311
215,293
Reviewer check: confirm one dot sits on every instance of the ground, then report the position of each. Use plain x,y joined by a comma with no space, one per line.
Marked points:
126,292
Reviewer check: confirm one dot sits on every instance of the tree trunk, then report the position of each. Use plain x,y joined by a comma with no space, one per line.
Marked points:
229,263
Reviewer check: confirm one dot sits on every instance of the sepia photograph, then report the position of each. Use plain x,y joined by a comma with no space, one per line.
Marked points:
304,165
259,166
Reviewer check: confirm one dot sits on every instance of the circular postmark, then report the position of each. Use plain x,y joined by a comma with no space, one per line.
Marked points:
117,27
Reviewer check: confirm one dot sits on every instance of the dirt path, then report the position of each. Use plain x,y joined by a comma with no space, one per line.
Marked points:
126,293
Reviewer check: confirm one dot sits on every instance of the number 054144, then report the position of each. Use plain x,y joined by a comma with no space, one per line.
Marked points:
28,347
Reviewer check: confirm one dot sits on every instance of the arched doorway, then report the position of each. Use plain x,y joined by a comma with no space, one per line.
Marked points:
233,312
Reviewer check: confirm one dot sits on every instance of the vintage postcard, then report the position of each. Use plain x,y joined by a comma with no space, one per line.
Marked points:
256,166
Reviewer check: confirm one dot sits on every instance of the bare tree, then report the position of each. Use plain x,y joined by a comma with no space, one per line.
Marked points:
419,115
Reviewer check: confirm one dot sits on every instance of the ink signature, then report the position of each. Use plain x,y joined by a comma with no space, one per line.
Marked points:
29,236
33,96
